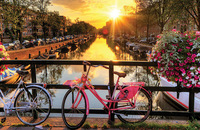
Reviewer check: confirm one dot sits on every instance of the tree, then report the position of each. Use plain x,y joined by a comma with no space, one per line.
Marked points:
14,13
41,7
147,16
163,12
54,22
187,10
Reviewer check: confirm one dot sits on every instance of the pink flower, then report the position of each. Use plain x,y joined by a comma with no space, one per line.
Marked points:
158,36
190,43
176,73
1,49
177,68
163,51
172,72
180,79
174,30
196,77
197,32
183,70
189,54
187,47
167,73
171,54
176,79
186,61
158,54
181,64
194,55
179,50
185,81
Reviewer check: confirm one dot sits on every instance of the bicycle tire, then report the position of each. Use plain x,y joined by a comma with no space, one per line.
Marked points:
141,111
37,111
74,117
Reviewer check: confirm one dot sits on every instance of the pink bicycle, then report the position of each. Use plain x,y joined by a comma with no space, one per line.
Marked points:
132,104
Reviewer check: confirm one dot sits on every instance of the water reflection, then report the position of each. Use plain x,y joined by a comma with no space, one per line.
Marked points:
97,49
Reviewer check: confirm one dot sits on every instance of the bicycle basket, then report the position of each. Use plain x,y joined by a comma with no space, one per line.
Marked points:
131,90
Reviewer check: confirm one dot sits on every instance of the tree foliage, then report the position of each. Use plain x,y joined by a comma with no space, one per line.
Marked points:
163,11
54,22
14,12
81,27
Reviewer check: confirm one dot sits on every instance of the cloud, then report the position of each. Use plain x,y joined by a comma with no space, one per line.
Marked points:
78,5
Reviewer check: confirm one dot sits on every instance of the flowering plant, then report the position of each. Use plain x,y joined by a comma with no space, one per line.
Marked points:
178,56
3,56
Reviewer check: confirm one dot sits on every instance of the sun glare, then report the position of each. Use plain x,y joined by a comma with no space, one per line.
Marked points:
115,13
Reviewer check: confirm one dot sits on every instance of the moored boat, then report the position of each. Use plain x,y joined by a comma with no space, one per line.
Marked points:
170,100
9,76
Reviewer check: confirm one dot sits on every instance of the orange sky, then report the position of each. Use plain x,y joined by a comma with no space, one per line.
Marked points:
95,12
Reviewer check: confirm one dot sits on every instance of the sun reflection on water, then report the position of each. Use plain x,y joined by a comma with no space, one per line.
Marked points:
99,51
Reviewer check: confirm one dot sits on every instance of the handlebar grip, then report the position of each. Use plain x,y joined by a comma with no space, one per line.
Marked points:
86,63
105,67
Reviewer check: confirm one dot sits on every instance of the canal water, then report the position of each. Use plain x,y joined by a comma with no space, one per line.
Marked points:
99,49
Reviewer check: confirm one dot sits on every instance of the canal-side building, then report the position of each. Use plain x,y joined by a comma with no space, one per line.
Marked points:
30,30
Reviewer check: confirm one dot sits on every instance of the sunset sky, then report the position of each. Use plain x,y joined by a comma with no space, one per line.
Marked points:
95,12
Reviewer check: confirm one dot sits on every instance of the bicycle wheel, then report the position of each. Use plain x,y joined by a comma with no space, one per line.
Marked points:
74,108
33,108
139,113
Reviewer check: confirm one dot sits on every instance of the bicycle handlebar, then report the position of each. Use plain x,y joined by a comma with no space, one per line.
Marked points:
120,74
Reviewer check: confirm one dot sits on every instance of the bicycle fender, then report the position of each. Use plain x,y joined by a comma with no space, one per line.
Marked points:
87,102
42,89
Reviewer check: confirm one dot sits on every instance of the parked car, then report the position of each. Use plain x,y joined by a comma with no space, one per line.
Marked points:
39,42
55,39
27,44
8,46
143,40
17,44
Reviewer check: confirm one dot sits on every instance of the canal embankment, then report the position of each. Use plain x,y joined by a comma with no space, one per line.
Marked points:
23,54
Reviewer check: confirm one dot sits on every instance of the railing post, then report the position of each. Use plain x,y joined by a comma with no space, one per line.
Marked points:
33,73
111,83
191,104
33,76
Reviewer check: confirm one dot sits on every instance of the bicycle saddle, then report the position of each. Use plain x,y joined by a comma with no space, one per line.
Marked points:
22,72
120,74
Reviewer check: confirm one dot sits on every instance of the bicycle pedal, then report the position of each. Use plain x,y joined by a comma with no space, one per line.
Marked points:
108,97
110,122
3,120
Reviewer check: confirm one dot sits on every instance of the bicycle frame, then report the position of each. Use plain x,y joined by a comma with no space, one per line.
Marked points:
86,84
8,106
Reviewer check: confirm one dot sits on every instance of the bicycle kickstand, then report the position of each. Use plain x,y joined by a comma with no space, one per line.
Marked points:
4,118
110,122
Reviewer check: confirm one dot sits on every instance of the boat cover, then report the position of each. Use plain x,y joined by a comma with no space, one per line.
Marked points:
8,73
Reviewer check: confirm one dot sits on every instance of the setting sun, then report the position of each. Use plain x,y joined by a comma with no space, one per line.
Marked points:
115,13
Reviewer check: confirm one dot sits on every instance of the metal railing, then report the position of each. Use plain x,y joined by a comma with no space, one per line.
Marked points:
190,113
